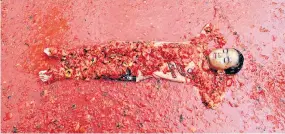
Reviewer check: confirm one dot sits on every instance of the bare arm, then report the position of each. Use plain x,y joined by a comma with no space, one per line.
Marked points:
168,76
174,74
140,77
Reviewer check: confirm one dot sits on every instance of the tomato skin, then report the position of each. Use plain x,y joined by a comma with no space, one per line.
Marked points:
229,82
8,116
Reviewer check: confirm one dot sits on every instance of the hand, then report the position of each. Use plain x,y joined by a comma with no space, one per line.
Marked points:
213,99
171,74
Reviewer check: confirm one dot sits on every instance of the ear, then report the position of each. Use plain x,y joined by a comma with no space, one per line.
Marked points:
221,71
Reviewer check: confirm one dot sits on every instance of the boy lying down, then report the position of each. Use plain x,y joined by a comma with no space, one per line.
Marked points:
188,62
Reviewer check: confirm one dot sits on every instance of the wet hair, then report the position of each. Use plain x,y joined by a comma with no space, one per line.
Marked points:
237,68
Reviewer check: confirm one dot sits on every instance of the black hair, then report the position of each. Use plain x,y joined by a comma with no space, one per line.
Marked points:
237,68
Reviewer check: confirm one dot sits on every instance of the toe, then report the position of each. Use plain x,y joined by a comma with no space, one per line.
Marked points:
43,76
42,72
47,51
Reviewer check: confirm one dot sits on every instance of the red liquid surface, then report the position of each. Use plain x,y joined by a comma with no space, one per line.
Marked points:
254,103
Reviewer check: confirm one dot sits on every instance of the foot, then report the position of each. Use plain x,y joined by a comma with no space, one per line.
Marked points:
47,51
43,76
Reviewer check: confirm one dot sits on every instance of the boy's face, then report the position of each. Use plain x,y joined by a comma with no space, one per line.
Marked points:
221,59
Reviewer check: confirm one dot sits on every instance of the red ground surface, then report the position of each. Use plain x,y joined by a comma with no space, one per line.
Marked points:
256,102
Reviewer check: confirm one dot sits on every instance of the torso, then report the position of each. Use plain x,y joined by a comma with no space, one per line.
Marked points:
132,60
180,63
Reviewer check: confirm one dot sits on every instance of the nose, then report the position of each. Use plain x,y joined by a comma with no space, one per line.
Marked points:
221,55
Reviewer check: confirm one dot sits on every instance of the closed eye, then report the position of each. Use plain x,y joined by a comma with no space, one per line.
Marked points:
226,60
225,50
